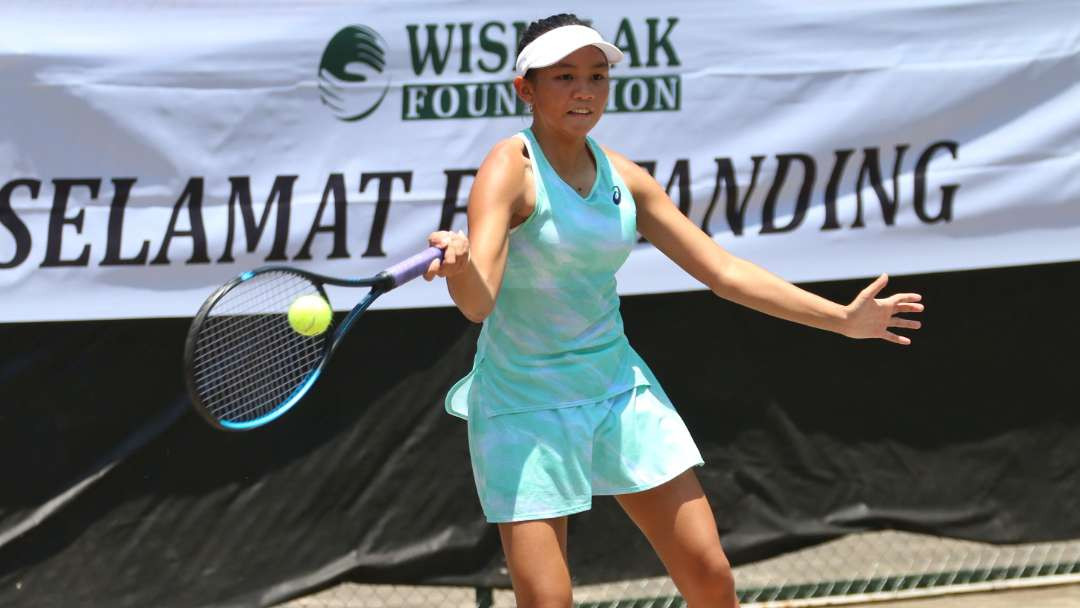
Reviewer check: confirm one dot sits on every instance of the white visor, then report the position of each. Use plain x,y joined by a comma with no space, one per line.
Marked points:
551,46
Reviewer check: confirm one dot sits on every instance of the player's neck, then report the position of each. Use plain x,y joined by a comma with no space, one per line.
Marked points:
565,152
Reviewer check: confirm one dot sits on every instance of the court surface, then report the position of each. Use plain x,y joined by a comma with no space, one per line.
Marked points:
1064,596
868,556
356,596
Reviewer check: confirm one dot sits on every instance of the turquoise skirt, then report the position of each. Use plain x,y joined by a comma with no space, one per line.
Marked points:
548,463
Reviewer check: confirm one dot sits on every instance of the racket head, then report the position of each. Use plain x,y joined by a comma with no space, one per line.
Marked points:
244,363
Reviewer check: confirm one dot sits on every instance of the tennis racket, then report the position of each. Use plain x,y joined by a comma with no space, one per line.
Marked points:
244,362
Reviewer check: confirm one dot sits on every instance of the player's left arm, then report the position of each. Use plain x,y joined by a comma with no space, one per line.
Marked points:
745,283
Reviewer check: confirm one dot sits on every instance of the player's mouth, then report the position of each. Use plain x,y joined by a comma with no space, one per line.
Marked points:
580,112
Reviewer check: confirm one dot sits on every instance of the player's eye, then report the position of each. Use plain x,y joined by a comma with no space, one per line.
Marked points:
599,76
565,77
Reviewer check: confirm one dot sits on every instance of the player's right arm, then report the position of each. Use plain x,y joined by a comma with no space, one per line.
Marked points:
497,200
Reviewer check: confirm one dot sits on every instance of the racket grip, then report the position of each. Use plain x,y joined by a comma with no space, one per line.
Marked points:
408,269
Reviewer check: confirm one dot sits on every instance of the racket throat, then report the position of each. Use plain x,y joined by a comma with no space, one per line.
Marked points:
384,282
353,315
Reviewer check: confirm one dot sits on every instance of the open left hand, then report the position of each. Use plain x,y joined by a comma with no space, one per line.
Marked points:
868,317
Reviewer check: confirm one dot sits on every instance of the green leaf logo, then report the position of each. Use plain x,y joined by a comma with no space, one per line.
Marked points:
353,79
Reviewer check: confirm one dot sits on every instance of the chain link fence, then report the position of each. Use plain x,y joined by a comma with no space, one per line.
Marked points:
858,568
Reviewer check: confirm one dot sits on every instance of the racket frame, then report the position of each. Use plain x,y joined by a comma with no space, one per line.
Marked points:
380,284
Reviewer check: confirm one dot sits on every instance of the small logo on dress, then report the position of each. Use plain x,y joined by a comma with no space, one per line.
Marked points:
616,195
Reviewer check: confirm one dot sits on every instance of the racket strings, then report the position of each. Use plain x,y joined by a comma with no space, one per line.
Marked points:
248,361
266,359
258,361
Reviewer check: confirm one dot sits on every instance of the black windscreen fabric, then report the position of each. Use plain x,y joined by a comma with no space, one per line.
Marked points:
116,494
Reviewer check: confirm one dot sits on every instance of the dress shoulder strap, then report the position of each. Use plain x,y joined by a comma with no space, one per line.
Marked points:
537,172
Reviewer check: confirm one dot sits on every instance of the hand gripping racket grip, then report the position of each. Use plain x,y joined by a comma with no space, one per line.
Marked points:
407,270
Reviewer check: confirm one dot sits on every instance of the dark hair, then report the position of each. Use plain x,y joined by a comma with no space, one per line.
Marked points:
542,26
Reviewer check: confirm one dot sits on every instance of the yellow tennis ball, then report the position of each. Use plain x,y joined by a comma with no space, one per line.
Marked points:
310,315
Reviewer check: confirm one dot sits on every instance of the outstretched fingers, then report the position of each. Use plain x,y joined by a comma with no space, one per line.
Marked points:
870,317
874,288
909,307
904,323
903,303
891,337
905,297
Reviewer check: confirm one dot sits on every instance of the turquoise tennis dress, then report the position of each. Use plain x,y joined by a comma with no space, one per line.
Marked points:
560,407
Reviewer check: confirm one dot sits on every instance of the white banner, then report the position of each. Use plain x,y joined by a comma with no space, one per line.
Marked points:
150,152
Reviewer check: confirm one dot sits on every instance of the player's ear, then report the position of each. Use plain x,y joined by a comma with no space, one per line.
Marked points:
524,88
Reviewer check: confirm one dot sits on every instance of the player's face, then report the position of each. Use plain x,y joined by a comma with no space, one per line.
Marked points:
570,96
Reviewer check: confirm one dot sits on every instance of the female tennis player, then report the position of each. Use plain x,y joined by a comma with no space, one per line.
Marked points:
559,406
